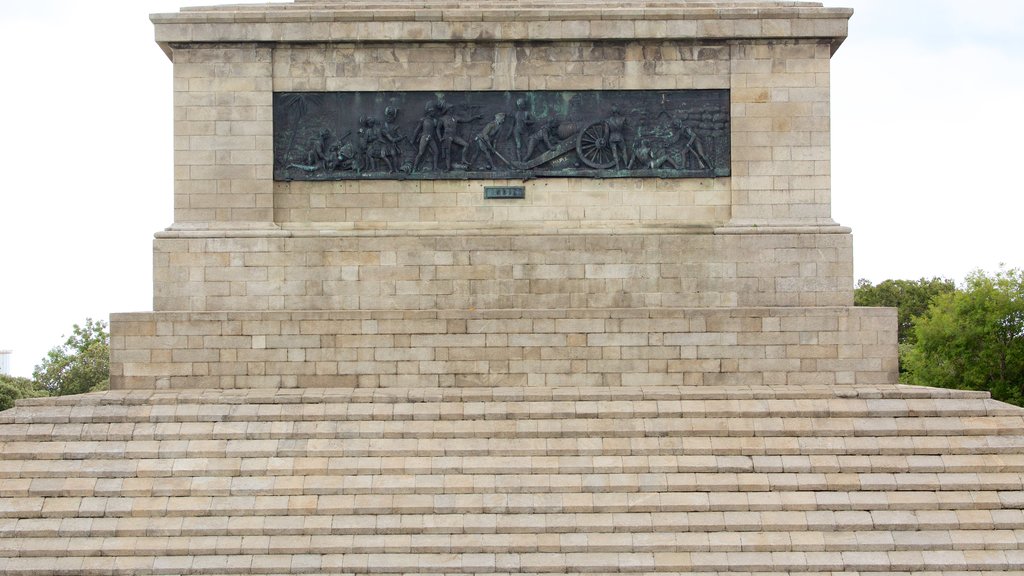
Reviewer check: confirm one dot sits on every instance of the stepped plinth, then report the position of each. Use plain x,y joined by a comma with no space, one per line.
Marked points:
507,287
605,479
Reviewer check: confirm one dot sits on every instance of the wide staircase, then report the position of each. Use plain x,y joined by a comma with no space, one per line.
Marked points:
682,480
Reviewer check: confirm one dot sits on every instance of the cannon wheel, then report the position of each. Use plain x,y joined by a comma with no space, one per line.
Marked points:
593,149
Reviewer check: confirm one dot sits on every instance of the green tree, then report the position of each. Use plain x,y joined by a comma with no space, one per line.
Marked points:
81,364
973,338
15,388
910,297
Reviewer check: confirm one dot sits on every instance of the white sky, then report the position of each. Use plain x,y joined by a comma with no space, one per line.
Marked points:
927,118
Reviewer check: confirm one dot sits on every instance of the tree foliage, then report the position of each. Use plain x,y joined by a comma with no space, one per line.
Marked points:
973,338
81,364
15,388
910,297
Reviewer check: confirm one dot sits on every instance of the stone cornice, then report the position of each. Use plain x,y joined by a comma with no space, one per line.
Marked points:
362,22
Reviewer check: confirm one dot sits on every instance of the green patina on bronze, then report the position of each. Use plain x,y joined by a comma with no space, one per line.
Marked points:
489,135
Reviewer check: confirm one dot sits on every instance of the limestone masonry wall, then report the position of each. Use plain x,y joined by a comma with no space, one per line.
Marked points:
609,347
407,271
223,132
780,126
553,202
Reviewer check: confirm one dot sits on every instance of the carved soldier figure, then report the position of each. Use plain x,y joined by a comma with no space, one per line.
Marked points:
363,162
646,153
342,156
391,138
692,146
375,146
544,135
614,127
485,141
319,147
425,136
641,152
448,132
521,123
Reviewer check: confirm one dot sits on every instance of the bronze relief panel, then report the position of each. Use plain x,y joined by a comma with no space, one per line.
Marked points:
489,134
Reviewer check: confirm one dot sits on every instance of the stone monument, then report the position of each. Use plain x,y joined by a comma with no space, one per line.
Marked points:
670,221
507,287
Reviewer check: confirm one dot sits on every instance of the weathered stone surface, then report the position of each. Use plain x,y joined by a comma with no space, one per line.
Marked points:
768,480
606,376
486,269
601,347
780,129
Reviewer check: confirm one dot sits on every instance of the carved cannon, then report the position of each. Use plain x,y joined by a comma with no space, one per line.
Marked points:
590,142
593,147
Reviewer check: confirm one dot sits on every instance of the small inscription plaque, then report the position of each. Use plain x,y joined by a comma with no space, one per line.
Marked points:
492,135
504,192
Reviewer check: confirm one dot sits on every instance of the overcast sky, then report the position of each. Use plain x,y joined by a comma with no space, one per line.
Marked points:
927,128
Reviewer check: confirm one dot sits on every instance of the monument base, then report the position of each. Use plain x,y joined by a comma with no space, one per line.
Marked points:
504,267
444,348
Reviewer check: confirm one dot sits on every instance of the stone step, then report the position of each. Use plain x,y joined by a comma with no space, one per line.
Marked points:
822,522
194,441
456,410
863,480
711,401
272,520
664,523
849,562
517,542
531,429
280,396
710,483
503,465
458,407
316,480
500,503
